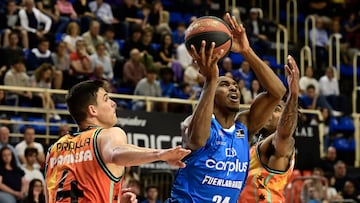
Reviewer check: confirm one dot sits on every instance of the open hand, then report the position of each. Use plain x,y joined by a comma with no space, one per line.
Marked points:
240,42
293,75
174,156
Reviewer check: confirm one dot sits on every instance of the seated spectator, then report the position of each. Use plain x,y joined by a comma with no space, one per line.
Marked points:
32,173
62,69
35,22
39,55
255,89
92,37
193,77
35,192
147,86
308,79
185,91
183,56
12,180
258,31
17,76
65,13
79,63
134,70
10,22
84,14
29,141
148,53
327,163
135,186
152,194
178,35
245,93
43,78
159,18
103,12
133,42
167,86
127,14
4,142
225,66
100,60
341,176
72,35
167,58
10,52
349,191
245,73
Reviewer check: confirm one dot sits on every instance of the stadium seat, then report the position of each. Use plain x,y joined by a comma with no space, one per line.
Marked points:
344,144
175,18
236,58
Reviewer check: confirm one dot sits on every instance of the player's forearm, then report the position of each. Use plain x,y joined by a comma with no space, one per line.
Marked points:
267,78
131,155
199,127
289,118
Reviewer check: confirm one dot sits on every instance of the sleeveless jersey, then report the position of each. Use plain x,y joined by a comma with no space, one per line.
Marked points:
217,171
75,172
264,184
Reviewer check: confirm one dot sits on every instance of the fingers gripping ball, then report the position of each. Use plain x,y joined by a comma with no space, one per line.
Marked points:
210,29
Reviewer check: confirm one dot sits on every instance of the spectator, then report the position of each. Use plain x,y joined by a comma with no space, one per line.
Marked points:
4,142
35,192
226,66
80,63
245,93
308,79
178,35
17,76
72,35
39,55
341,176
92,37
159,18
43,78
148,52
134,70
29,141
167,86
152,194
183,56
102,61
167,57
321,42
62,69
349,191
258,31
32,173
134,41
135,186
130,174
314,189
103,12
64,13
193,77
10,22
127,14
12,51
147,86
352,33
255,89
35,22
244,73
12,180
84,13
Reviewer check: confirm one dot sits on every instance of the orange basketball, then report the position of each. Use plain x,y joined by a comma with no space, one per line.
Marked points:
210,29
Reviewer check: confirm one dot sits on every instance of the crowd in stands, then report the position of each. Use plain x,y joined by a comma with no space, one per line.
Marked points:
138,49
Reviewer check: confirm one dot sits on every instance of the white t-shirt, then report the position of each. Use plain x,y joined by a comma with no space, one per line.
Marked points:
33,174
20,148
305,81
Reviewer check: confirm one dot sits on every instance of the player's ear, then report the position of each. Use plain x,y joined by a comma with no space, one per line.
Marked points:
92,110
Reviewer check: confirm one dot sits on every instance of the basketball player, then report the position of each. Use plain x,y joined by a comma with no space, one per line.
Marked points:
87,166
217,167
272,157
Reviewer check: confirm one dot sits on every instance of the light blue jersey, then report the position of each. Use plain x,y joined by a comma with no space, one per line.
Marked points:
217,171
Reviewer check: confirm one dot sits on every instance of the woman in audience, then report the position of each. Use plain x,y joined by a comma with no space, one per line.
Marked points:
72,35
12,178
35,192
255,89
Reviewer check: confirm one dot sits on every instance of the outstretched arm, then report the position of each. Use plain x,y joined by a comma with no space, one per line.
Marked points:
113,148
199,127
282,140
265,103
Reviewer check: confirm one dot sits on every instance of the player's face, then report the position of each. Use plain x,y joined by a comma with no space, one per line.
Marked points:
227,94
272,123
106,109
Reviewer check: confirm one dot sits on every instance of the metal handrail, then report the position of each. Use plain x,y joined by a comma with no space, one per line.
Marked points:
305,54
294,14
277,10
355,85
337,37
281,29
311,18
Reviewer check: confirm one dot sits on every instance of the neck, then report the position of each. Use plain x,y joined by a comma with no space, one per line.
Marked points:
225,118
29,166
8,166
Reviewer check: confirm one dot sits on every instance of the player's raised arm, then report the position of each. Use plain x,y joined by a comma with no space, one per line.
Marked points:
199,127
265,103
113,147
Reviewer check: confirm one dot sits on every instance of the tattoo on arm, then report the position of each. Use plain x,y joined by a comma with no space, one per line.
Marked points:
289,118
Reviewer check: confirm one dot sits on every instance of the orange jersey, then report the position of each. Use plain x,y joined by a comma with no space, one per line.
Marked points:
264,184
76,173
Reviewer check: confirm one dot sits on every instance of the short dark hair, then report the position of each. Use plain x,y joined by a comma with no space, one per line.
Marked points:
29,151
311,86
82,95
151,187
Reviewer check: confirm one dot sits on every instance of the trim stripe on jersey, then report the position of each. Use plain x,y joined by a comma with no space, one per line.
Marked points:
268,169
268,191
111,191
100,161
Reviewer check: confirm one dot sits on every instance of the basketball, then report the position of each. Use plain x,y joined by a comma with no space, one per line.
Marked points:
210,29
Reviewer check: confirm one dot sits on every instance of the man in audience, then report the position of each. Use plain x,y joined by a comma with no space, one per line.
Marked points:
4,142
29,141
327,163
31,172
341,176
92,37
133,70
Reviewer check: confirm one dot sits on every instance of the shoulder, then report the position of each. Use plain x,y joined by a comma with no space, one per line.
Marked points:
111,134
